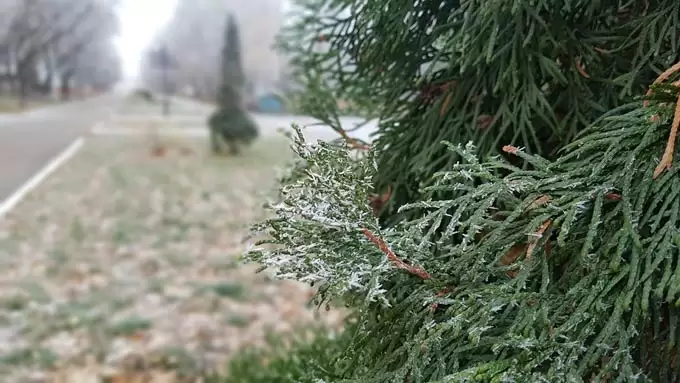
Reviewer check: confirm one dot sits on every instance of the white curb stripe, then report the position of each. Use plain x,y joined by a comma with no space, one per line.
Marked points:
9,203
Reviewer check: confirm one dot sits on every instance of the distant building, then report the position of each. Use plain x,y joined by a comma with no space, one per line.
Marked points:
270,103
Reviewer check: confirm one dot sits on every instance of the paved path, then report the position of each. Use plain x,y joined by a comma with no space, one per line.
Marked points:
28,141
190,116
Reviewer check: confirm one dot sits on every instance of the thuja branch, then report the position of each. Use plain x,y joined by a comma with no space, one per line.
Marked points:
663,77
354,143
392,257
667,158
378,201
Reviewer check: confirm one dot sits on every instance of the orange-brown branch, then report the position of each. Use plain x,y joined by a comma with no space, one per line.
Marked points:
535,237
613,197
440,293
667,158
353,142
540,201
580,69
445,105
510,149
663,77
525,248
378,201
393,257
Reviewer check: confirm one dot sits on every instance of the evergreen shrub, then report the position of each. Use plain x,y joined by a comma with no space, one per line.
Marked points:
531,231
230,126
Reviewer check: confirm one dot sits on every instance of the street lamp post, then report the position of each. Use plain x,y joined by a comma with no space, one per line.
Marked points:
164,63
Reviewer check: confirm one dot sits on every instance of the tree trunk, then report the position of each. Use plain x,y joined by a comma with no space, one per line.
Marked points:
46,86
234,148
26,77
33,84
23,90
65,87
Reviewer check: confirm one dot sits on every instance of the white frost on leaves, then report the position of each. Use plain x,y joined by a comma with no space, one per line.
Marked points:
497,307
466,175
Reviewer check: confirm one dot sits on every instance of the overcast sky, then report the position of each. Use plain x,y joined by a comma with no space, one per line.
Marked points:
140,20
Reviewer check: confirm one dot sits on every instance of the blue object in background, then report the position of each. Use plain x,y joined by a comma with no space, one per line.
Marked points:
270,103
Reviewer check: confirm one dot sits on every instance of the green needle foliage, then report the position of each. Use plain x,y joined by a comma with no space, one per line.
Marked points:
290,363
526,239
593,294
526,73
230,126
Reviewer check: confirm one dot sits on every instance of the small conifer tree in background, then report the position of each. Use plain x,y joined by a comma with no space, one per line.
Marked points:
532,233
230,126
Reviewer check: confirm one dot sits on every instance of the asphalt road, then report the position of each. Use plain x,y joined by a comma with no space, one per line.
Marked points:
28,141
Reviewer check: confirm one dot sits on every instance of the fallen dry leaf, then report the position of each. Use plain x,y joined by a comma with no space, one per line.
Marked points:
126,255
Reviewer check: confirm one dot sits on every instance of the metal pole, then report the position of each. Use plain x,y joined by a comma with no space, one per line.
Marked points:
166,88
166,96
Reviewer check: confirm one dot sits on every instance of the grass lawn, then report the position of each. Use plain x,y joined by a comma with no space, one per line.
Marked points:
126,259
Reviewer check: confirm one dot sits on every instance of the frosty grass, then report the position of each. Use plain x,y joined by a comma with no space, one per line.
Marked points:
125,255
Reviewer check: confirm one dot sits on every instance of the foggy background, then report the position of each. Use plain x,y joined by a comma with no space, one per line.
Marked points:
60,49
55,48
194,35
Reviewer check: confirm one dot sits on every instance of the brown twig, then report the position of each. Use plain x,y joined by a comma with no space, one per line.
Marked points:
439,294
511,256
535,237
613,197
353,142
378,201
516,251
580,69
393,257
663,77
510,149
445,105
667,158
540,201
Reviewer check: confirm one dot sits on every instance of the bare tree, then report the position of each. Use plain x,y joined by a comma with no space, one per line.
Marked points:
8,10
73,50
97,66
41,40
